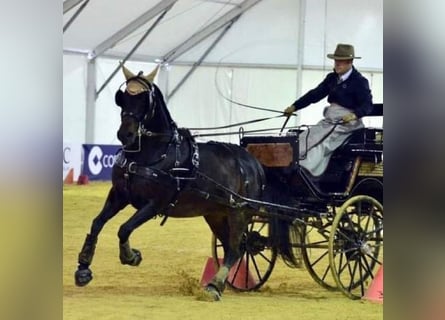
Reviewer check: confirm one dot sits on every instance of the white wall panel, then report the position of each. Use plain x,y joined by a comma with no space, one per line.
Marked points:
201,101
268,88
196,103
359,23
313,113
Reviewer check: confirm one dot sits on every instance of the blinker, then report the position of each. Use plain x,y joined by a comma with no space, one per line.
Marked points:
119,98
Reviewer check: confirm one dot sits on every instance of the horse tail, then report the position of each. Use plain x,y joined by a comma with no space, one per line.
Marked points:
261,176
288,239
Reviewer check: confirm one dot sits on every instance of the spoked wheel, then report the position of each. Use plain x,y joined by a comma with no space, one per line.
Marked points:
315,250
356,245
257,260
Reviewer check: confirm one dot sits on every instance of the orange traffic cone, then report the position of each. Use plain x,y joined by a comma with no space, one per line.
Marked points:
375,290
83,179
243,277
209,271
69,179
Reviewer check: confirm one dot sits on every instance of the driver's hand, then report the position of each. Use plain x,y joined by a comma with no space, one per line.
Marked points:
349,117
289,110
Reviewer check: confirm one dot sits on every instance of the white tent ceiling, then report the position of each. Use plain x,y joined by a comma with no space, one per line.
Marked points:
268,32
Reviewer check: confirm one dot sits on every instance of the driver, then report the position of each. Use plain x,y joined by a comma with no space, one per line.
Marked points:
350,99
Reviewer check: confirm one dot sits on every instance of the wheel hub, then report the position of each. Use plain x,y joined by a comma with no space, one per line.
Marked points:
255,242
365,249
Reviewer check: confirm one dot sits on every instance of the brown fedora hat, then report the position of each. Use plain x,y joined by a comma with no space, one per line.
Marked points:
343,52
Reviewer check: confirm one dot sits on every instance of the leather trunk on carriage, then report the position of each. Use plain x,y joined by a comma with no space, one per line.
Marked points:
273,151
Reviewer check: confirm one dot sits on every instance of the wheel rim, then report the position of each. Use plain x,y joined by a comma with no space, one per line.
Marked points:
314,250
258,257
356,245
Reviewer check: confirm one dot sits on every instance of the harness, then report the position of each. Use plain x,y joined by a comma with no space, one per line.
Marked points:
182,172
179,174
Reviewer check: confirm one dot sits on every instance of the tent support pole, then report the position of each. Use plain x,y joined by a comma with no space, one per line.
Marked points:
300,50
90,112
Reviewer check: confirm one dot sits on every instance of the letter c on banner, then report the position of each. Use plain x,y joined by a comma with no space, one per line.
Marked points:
108,161
66,153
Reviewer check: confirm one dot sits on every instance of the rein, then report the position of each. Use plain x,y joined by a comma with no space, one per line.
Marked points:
147,133
241,131
238,124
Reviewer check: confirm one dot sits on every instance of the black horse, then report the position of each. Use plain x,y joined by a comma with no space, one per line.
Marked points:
161,170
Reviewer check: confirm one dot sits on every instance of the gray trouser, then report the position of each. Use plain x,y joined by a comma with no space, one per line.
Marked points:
319,142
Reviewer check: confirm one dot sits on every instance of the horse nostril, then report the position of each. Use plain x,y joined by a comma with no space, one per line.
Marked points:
125,136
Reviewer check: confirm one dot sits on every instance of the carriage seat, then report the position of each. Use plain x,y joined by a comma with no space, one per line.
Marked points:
361,153
363,149
366,142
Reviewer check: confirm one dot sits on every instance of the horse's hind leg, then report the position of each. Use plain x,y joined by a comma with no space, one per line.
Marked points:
112,206
229,231
128,255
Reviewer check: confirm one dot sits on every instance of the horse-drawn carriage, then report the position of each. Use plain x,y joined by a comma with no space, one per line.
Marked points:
256,199
336,219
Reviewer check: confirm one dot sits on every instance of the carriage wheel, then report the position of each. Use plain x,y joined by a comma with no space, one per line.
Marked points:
314,250
257,260
356,244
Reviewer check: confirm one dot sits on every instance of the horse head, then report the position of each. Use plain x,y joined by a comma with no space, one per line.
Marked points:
136,103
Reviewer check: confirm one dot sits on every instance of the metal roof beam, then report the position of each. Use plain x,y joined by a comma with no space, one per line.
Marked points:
210,29
201,59
132,26
134,48
69,4
67,25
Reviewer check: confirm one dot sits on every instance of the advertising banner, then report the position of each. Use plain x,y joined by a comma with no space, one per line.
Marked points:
72,156
98,159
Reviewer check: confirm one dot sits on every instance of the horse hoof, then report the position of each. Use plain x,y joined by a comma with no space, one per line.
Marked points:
135,260
83,277
137,257
213,292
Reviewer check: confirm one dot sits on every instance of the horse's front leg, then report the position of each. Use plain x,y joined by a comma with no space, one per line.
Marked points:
128,255
114,203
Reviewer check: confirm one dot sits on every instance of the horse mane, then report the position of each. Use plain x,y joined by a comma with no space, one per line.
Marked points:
163,106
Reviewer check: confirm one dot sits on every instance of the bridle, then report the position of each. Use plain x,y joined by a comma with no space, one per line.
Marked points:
147,88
